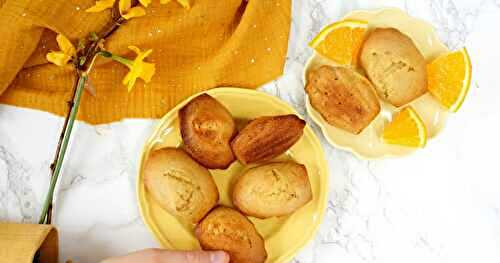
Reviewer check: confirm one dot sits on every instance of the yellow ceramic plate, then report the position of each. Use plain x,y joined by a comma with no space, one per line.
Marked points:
284,236
368,144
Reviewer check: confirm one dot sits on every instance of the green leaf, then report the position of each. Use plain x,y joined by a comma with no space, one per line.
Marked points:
82,61
105,54
93,36
81,44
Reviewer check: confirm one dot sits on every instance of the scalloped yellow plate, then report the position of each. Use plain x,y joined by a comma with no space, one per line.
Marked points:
369,144
283,236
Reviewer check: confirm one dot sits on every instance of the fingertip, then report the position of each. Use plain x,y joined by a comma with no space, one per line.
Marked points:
219,257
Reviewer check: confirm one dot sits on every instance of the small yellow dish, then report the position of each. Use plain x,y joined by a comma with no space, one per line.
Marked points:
283,236
369,144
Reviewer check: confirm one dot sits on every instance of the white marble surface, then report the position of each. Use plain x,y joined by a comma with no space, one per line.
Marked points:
441,204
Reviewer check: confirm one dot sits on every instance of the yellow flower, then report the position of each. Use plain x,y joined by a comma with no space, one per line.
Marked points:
127,11
145,3
185,3
138,68
101,5
125,7
62,57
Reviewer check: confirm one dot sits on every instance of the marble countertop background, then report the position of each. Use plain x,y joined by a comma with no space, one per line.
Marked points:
441,204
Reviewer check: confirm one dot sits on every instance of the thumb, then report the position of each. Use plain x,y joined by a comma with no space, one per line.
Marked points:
194,257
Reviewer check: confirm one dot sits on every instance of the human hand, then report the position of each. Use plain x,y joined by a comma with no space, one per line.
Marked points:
154,255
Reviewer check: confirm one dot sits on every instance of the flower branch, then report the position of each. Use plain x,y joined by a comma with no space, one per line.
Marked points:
82,59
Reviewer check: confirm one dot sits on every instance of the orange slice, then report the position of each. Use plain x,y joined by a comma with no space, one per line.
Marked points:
406,129
448,78
341,41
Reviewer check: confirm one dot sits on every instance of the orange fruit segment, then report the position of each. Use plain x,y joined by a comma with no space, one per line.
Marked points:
406,129
341,41
448,78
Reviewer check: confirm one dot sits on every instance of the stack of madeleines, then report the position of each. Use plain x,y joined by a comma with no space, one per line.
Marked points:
179,179
396,72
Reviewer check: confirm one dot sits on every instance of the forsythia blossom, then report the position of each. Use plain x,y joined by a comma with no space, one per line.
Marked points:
126,9
67,51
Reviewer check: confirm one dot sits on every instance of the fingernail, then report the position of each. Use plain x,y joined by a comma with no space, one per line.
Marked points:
218,257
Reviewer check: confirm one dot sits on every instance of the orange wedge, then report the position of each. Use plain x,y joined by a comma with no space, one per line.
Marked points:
448,78
406,129
341,41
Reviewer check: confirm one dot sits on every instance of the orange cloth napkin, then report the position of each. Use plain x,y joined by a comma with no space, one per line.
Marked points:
215,43
19,243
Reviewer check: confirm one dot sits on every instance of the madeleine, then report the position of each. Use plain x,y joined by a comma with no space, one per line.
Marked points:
267,137
227,229
207,128
180,185
274,189
394,65
343,97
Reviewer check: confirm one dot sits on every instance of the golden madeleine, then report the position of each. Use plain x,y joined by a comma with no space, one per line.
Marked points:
180,185
274,189
267,137
207,128
394,65
343,97
227,229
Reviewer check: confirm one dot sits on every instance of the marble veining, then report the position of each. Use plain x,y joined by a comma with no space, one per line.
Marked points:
18,200
441,204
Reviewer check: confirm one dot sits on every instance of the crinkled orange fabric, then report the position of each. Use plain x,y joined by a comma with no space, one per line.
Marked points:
20,242
215,43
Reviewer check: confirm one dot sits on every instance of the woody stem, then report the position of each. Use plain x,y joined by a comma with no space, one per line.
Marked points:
60,158
82,70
